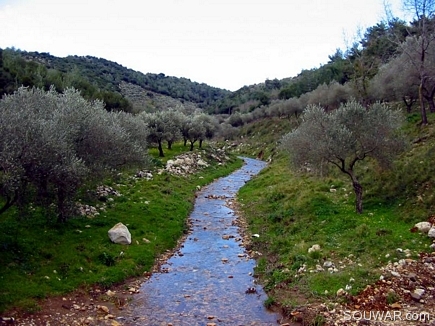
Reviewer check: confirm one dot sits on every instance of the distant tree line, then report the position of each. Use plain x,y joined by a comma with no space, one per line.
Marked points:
393,61
17,70
173,125
96,78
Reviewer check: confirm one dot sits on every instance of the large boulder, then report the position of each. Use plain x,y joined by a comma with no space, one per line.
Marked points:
120,234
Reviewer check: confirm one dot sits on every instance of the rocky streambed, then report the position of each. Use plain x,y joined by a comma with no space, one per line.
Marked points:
208,281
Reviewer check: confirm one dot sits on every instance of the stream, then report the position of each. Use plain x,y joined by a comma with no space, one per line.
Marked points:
209,280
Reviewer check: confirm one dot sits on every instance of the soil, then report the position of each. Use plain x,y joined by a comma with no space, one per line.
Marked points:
393,300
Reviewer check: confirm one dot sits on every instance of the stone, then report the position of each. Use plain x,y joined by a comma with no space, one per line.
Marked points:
314,248
423,227
417,294
396,305
103,309
201,162
328,264
120,234
395,274
341,292
412,277
431,232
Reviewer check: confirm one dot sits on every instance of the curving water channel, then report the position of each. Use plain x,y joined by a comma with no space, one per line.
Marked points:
209,281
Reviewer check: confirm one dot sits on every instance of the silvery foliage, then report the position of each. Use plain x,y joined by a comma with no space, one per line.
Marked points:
172,119
345,136
163,125
400,77
196,128
210,124
54,142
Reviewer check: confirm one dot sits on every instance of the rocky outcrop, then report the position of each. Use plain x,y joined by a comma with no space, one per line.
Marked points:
192,162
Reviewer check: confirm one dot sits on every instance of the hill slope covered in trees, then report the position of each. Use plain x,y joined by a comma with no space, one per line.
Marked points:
97,78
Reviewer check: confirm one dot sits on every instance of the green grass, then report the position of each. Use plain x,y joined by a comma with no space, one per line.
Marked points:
291,211
40,257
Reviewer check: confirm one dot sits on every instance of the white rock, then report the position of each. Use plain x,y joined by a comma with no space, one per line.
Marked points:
201,162
314,248
120,234
431,233
341,292
395,274
423,227
328,264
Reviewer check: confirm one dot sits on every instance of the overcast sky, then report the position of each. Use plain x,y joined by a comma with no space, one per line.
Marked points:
223,43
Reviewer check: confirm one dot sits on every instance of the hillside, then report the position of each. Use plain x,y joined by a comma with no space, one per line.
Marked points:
91,74
364,260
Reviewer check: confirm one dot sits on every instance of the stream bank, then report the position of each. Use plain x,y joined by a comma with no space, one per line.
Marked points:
209,280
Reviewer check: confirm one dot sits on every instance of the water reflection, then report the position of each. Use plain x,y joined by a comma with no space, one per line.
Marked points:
207,282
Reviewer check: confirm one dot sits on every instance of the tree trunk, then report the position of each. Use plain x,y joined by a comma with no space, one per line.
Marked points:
429,94
422,107
431,103
191,145
358,189
61,198
358,196
408,103
185,142
9,202
169,144
161,154
200,143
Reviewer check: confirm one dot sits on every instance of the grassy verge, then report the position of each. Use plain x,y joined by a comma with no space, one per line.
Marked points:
40,258
292,211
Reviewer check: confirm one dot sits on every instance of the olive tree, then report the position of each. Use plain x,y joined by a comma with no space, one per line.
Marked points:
417,47
210,125
51,144
396,81
329,96
292,106
173,119
193,129
345,137
157,129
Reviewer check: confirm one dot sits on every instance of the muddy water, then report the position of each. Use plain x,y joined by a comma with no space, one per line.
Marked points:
209,281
